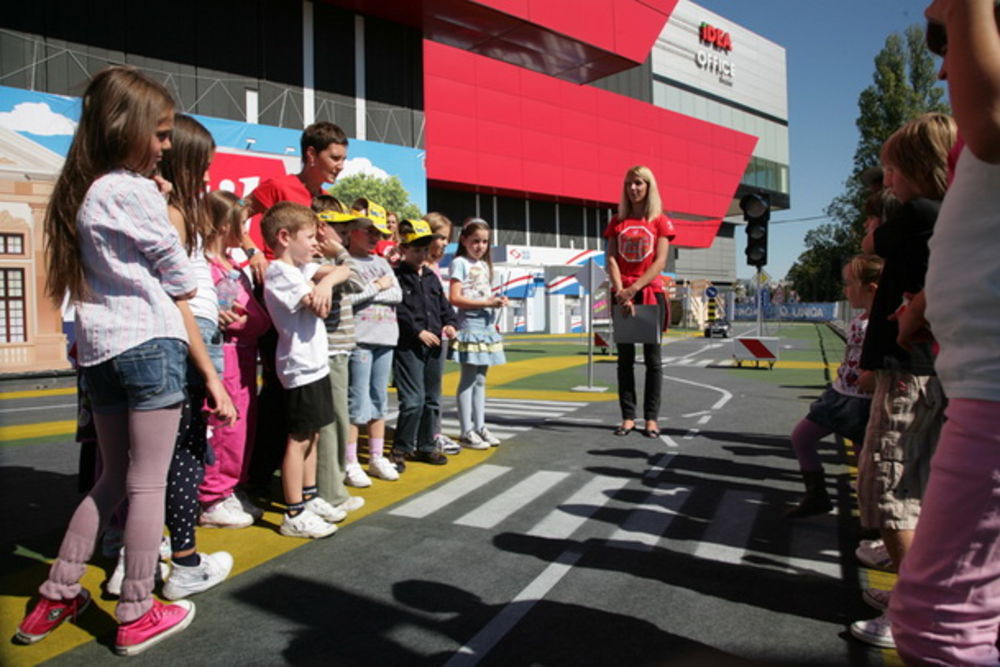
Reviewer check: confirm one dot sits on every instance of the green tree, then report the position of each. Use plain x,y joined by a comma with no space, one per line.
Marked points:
389,192
904,86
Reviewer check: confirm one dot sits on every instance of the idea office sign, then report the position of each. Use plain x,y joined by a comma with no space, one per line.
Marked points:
717,44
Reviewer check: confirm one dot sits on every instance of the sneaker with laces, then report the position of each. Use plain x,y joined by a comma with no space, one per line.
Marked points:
49,615
160,622
184,581
354,475
226,513
472,440
874,631
876,598
485,434
306,524
325,510
248,505
447,445
351,504
113,586
398,459
382,468
873,554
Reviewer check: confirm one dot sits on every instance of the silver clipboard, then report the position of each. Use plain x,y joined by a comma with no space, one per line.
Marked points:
646,326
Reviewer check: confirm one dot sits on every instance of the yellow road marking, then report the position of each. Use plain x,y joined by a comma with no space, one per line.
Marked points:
250,548
39,430
37,393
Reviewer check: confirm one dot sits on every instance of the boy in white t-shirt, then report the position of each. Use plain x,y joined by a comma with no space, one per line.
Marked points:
297,306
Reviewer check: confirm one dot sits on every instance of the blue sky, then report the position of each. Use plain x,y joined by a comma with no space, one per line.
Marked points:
830,50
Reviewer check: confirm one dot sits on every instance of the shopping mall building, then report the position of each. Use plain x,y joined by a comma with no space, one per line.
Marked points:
524,112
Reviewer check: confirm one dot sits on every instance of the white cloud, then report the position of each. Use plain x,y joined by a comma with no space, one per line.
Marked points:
36,118
362,165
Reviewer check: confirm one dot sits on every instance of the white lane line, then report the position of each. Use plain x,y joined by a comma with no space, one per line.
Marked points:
497,428
430,502
728,534
691,433
512,401
581,420
648,522
492,512
528,412
668,441
696,414
660,465
563,521
705,419
484,641
703,363
726,396
57,406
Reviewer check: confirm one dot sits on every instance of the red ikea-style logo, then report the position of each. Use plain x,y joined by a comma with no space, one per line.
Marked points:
716,36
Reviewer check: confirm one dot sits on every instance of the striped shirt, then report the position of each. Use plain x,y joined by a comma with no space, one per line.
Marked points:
133,265
339,323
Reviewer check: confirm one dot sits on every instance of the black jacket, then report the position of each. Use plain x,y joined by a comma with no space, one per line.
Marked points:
424,306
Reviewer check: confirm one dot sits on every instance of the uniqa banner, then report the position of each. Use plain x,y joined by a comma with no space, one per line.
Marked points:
796,312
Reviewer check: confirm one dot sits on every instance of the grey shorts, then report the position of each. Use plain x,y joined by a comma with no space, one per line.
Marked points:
906,418
842,414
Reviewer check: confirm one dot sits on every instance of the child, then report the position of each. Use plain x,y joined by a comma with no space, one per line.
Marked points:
297,308
442,227
907,403
110,244
243,322
944,608
477,345
424,317
844,406
377,333
332,447
184,167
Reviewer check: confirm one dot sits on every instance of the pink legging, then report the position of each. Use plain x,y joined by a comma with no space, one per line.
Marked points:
945,608
805,442
136,447
233,443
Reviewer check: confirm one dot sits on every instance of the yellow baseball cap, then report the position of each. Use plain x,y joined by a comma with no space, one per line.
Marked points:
413,231
333,217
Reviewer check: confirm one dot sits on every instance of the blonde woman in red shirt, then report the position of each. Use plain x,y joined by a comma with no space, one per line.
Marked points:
638,240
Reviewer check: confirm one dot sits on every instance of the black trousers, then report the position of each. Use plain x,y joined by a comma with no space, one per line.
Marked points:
654,376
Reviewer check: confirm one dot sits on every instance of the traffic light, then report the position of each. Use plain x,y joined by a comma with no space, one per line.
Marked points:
757,212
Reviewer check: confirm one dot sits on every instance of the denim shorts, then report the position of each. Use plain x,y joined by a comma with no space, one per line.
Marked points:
212,337
368,389
149,376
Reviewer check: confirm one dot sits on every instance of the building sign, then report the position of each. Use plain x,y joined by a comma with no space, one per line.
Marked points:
712,59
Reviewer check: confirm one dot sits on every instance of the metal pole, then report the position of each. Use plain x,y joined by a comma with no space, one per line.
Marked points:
590,325
760,307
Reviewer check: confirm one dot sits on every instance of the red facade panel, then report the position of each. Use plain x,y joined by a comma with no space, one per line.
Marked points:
495,127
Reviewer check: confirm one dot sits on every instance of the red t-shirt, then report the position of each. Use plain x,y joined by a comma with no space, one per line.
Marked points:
269,193
636,240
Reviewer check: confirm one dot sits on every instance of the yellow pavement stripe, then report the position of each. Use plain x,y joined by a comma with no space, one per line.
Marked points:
38,430
37,393
250,548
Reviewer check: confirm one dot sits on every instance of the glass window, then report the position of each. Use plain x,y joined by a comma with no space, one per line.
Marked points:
12,303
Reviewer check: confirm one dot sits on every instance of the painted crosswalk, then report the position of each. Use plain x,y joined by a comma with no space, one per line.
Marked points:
507,417
502,494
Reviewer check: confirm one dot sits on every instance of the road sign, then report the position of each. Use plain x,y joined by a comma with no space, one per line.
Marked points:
756,349
590,276
711,291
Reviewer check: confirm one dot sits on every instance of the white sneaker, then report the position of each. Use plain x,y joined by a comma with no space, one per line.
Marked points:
184,581
354,475
247,505
485,434
472,440
325,510
113,585
383,468
351,504
447,445
873,554
306,524
876,598
875,631
165,551
226,513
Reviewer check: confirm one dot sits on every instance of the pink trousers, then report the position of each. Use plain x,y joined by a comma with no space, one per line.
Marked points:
232,443
945,607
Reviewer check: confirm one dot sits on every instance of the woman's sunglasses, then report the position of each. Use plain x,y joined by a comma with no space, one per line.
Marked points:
937,39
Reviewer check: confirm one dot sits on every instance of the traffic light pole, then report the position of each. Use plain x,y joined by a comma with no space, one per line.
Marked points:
760,306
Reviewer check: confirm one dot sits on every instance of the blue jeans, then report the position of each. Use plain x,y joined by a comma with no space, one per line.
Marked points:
368,392
149,376
418,386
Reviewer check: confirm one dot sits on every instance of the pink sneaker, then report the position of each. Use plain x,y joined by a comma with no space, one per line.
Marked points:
49,615
161,621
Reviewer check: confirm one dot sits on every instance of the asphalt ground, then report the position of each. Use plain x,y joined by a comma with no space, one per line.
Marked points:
565,545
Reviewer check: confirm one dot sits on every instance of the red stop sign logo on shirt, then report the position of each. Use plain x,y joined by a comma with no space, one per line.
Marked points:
635,243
